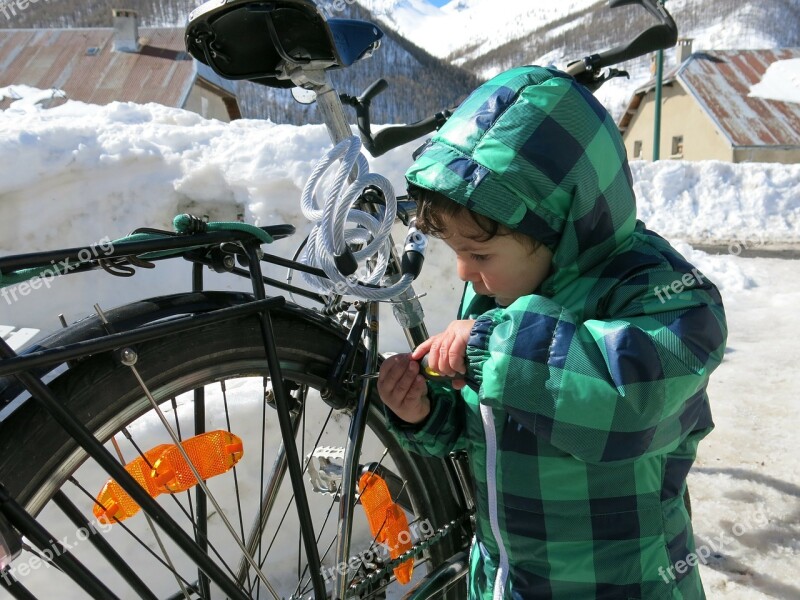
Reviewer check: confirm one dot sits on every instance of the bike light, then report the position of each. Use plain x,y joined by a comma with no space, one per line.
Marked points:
414,250
387,522
163,470
10,544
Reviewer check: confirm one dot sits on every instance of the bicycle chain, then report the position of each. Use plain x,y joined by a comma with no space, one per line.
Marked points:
412,552
337,453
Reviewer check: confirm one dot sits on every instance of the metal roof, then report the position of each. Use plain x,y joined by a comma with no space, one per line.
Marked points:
82,62
720,82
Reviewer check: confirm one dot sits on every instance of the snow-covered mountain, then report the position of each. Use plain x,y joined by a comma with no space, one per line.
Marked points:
482,37
489,36
469,26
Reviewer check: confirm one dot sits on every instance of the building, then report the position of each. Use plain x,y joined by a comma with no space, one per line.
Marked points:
124,63
708,113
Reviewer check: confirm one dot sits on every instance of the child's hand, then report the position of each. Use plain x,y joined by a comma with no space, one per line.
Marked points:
403,389
447,350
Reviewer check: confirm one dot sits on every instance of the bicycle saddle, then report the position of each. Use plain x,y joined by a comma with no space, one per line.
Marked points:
266,42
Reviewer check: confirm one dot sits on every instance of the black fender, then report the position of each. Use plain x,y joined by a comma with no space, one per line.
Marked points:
130,316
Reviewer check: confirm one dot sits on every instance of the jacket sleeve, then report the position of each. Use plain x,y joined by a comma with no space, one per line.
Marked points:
441,431
601,390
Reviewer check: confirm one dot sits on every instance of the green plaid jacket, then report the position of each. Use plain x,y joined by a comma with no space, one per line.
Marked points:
590,393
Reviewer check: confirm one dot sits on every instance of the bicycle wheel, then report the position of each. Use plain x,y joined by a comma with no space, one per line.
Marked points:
38,460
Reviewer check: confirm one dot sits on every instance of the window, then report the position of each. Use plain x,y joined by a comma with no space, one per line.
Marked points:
677,145
637,149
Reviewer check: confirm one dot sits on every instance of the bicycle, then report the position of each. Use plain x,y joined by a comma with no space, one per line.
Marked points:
136,396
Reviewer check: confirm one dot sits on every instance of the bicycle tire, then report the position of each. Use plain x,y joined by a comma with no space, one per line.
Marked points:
37,457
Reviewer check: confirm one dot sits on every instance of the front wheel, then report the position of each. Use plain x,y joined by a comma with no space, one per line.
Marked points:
216,379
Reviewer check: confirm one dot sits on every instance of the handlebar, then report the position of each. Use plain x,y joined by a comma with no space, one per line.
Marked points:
658,37
587,71
395,135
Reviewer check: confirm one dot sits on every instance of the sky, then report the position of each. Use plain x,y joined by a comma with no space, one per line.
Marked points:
76,174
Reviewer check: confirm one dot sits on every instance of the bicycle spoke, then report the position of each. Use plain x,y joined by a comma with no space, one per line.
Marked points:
128,530
180,437
200,481
200,533
153,529
224,390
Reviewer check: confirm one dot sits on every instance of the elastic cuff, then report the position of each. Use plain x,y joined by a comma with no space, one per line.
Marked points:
478,347
405,426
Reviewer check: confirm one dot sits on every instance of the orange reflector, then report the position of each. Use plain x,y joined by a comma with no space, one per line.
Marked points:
118,504
163,470
387,522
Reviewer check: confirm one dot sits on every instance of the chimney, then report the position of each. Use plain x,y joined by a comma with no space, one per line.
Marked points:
126,30
683,50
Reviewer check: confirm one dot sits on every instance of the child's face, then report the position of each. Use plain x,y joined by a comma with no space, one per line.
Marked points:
502,267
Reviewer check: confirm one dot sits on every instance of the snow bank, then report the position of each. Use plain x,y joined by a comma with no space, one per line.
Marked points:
718,202
74,174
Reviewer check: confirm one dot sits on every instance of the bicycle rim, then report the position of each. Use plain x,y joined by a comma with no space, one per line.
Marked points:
234,400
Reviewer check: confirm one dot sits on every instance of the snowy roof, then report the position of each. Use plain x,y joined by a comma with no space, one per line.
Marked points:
721,81
83,64
738,94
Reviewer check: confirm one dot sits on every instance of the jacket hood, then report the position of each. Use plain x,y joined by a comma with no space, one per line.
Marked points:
534,150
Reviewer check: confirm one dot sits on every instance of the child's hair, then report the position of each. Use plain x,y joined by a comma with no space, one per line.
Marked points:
435,211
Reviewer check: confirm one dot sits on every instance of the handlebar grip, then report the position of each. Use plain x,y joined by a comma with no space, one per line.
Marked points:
376,88
658,37
397,135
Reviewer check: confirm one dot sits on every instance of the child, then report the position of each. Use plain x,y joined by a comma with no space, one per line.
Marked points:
587,341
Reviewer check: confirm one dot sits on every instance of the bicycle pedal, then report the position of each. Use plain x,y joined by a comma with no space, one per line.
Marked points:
324,471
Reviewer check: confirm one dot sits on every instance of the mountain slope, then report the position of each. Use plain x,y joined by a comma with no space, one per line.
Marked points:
475,35
420,84
483,37
468,28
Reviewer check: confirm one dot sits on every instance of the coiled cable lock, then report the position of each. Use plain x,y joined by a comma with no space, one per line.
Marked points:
330,243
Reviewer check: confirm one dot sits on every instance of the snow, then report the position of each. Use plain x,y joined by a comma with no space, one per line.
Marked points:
471,28
714,202
474,23
77,173
780,82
